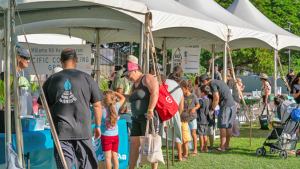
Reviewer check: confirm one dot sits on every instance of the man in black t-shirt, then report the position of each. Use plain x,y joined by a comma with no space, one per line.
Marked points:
69,94
222,96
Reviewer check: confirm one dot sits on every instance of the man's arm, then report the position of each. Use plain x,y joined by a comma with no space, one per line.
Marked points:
98,115
152,85
215,101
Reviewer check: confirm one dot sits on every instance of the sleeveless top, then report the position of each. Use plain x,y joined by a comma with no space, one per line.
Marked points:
139,99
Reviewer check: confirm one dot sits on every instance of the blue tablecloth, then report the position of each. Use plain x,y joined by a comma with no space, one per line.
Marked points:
33,141
38,141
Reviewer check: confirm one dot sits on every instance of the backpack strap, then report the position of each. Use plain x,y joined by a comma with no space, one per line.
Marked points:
172,91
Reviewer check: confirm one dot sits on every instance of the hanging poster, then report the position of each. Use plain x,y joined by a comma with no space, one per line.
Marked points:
188,58
47,57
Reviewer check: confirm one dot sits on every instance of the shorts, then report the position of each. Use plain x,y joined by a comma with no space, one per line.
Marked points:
193,124
78,153
139,123
264,99
226,116
202,129
210,131
110,143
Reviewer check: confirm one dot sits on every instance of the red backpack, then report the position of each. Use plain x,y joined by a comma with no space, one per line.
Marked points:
166,105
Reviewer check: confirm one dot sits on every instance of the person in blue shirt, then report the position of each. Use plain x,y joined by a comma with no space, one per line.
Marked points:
109,127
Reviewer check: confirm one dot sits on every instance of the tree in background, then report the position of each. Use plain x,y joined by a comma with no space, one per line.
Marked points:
259,59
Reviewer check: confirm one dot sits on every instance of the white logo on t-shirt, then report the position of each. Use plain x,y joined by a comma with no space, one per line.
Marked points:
67,97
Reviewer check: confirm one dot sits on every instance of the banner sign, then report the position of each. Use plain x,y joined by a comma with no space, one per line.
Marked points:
188,58
47,57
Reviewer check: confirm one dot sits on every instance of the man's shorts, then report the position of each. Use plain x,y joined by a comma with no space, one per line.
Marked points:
202,129
226,116
110,143
139,123
78,153
193,124
210,131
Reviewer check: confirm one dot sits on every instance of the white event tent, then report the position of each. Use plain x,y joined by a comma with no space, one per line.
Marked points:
245,10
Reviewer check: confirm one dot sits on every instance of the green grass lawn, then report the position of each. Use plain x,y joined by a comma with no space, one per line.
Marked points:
241,155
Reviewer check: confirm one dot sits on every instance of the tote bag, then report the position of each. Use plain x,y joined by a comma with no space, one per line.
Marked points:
151,151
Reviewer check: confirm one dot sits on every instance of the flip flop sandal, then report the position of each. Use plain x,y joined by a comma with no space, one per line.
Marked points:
218,149
193,154
227,149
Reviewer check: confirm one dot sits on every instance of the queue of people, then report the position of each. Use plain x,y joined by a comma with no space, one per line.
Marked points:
70,92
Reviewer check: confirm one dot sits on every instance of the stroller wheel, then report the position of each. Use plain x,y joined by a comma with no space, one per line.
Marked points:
259,152
283,154
272,151
264,151
298,153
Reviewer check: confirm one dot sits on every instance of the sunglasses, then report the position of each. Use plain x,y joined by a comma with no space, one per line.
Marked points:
25,58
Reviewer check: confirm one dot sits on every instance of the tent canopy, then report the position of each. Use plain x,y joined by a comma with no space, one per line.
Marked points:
243,34
67,16
245,10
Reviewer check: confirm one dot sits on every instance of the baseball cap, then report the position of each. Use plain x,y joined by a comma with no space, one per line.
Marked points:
129,67
132,59
23,52
203,77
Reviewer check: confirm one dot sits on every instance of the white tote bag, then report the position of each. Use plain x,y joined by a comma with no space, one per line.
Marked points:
151,151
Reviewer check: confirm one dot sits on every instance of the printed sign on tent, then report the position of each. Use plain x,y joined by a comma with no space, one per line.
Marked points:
47,57
188,57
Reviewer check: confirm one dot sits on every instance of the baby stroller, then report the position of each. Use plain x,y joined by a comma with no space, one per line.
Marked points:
284,133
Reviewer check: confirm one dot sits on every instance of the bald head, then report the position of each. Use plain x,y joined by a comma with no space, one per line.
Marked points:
68,54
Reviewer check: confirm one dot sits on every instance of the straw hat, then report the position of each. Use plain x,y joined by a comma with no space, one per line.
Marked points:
263,76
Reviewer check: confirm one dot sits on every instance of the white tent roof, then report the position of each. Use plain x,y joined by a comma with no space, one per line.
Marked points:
245,10
183,26
114,17
244,34
51,39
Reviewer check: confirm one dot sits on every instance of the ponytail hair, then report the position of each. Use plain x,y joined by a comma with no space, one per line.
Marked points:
269,81
109,102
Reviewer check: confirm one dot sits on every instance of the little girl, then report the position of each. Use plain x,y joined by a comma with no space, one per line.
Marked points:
109,127
193,106
186,137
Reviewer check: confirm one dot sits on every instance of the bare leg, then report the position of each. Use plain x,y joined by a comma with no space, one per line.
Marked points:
178,147
194,135
115,160
154,166
134,151
211,141
205,143
201,143
107,155
228,135
223,139
185,149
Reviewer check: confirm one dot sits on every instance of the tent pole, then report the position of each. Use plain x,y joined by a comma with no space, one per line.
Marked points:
98,56
15,85
275,73
131,48
7,76
225,65
213,62
147,52
165,57
141,45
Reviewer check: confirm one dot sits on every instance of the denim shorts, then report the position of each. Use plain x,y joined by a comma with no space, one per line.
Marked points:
193,124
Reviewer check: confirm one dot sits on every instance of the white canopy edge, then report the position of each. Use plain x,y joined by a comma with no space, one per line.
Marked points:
51,39
245,10
41,4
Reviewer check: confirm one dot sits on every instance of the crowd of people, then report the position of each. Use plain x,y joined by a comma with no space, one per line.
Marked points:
70,92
